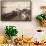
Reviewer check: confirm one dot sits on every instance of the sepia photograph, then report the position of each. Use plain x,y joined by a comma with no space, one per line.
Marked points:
16,11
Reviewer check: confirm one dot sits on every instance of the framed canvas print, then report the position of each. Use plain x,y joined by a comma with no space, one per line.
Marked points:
18,10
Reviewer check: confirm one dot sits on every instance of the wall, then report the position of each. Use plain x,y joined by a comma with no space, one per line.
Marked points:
27,28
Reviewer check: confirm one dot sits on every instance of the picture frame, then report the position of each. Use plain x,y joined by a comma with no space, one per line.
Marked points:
16,10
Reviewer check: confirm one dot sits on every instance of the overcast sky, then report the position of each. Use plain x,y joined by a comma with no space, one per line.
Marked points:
15,0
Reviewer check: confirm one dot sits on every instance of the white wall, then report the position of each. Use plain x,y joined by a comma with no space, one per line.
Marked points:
27,28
